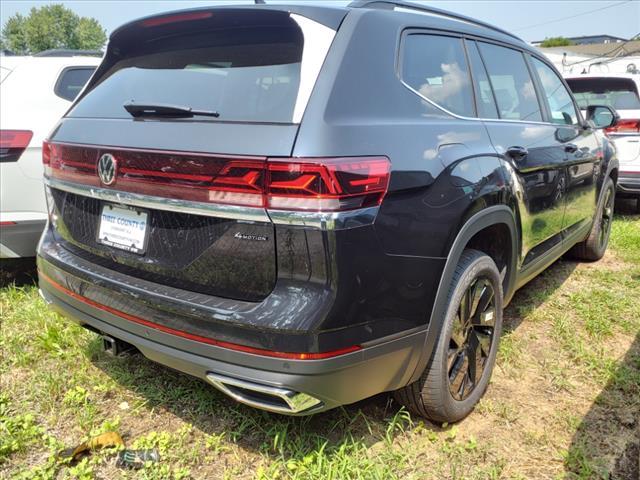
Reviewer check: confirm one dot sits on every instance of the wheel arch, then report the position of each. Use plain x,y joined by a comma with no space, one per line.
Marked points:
492,216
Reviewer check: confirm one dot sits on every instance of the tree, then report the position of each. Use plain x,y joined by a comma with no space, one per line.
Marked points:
556,42
51,26
14,30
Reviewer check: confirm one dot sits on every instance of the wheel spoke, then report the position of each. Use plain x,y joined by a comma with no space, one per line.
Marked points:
479,290
452,356
458,372
475,359
458,334
484,334
467,386
486,315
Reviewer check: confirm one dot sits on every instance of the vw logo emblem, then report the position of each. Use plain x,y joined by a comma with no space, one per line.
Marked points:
107,169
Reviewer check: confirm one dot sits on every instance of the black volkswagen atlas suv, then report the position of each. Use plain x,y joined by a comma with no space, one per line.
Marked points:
309,205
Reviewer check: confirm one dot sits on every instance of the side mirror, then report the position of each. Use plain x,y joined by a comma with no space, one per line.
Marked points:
602,116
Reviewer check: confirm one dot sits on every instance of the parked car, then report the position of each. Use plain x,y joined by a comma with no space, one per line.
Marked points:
619,91
36,91
307,205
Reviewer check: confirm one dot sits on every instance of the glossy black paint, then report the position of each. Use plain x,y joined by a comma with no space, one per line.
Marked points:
452,178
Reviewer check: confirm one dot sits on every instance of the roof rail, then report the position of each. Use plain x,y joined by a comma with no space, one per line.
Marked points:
391,4
62,52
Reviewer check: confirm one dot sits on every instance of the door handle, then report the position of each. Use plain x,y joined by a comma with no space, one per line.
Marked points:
571,148
517,153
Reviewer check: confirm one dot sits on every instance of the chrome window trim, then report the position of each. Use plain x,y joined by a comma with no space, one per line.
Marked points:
419,31
249,214
317,220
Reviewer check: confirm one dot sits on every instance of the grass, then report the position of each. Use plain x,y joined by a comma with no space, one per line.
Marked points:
563,402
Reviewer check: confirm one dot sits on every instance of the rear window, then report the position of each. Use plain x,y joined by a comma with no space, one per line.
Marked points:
258,72
71,81
619,93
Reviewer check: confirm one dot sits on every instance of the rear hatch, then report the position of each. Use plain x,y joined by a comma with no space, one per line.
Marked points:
176,197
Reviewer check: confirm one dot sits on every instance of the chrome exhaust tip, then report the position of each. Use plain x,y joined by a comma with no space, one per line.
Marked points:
272,399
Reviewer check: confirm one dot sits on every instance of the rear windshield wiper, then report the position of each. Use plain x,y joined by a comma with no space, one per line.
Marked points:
163,110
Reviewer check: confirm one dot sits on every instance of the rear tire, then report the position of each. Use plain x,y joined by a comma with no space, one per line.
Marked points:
452,383
595,245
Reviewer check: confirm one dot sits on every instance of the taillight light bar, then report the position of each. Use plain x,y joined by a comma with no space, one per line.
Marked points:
625,125
13,143
326,184
305,184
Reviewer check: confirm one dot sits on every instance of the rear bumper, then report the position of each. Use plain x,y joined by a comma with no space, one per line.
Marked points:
629,184
20,238
383,365
335,381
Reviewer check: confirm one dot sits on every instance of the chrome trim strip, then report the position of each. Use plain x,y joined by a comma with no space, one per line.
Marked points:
318,220
296,401
325,220
249,214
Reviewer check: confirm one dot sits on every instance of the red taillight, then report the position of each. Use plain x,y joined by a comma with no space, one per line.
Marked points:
46,153
181,17
625,125
309,184
13,143
327,184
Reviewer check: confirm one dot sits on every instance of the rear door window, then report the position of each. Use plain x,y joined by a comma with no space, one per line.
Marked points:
245,66
618,93
435,67
558,98
511,82
71,81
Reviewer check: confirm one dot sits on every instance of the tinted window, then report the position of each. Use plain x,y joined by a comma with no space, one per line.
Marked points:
511,83
484,96
561,106
71,81
619,93
435,66
247,67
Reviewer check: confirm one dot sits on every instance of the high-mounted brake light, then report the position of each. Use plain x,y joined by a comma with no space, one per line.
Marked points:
625,125
307,184
181,17
13,143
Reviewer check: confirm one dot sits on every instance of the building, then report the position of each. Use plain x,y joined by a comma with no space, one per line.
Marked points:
589,40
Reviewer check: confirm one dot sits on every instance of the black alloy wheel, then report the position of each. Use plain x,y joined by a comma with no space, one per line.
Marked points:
471,338
607,216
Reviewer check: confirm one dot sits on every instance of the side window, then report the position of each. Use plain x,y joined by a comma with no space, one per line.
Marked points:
484,96
436,67
71,81
511,82
561,106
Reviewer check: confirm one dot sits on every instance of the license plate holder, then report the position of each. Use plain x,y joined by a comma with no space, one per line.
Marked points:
123,227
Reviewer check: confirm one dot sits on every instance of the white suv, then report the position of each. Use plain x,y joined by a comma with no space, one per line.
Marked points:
620,91
35,92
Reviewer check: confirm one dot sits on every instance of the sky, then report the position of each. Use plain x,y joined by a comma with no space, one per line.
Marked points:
532,20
